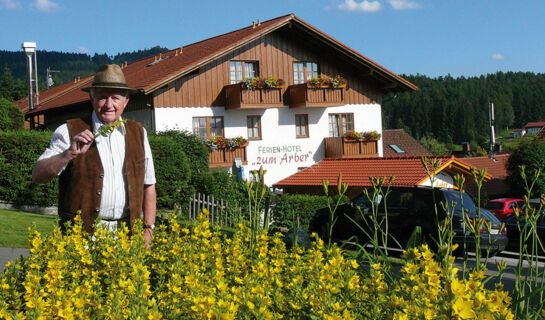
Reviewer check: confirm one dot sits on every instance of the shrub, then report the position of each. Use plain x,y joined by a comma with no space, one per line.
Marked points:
172,171
192,146
196,273
530,154
223,185
19,151
299,205
11,117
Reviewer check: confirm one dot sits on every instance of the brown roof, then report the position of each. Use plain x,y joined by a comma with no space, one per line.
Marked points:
408,171
495,167
403,140
148,76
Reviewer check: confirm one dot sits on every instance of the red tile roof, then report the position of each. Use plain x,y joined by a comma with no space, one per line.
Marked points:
408,171
402,139
148,76
534,125
495,167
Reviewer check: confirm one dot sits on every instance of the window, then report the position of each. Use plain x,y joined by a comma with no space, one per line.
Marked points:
340,124
304,71
301,125
396,148
208,127
240,70
254,127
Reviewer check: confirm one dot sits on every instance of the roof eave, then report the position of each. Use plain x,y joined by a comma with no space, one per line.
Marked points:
406,85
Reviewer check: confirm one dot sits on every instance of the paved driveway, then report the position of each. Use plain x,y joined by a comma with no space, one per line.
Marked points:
9,254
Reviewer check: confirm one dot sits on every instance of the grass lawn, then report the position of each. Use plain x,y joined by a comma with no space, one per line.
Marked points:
14,227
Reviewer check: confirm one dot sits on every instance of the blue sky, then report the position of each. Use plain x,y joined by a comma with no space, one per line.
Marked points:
430,37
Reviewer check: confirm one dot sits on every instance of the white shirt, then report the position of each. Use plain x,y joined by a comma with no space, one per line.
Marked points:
111,149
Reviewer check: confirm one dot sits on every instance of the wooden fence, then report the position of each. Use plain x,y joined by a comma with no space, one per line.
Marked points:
221,213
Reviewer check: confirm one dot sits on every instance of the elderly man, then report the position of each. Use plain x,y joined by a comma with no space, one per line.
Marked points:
112,176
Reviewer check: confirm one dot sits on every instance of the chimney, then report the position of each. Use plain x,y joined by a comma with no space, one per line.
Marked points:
258,22
30,50
253,24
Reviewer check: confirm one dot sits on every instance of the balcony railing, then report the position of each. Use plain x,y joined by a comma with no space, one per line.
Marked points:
238,97
339,147
226,157
304,95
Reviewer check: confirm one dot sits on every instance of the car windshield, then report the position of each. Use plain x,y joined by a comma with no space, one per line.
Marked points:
363,202
487,215
455,204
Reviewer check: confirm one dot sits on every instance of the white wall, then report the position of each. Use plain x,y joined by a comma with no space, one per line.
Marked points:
279,151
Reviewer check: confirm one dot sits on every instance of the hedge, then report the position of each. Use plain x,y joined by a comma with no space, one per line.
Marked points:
19,151
287,206
171,171
193,147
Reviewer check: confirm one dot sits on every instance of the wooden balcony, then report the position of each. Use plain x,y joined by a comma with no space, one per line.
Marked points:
238,97
339,147
303,95
226,157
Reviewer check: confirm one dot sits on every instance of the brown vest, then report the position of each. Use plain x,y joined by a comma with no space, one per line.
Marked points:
80,184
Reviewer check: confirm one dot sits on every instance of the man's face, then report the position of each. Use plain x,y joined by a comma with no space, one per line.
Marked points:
109,104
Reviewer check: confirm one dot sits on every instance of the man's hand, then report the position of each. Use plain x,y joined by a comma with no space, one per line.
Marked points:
148,234
80,143
47,169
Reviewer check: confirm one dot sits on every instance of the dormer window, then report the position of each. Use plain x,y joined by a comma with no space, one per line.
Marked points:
240,70
396,148
304,71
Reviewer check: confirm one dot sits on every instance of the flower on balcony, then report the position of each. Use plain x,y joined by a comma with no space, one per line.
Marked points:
319,81
323,81
353,135
369,135
225,143
262,83
338,81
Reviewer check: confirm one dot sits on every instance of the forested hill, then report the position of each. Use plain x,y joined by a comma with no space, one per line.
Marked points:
70,65
456,109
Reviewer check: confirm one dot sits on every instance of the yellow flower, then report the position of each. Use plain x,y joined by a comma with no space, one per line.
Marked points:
463,308
458,288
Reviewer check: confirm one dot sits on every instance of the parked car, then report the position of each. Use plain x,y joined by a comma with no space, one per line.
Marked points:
522,224
407,208
504,207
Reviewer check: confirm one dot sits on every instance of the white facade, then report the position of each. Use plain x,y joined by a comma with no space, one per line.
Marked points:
279,151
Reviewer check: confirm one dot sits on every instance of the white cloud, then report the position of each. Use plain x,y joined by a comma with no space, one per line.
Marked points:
9,4
404,4
498,56
364,6
83,50
45,5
